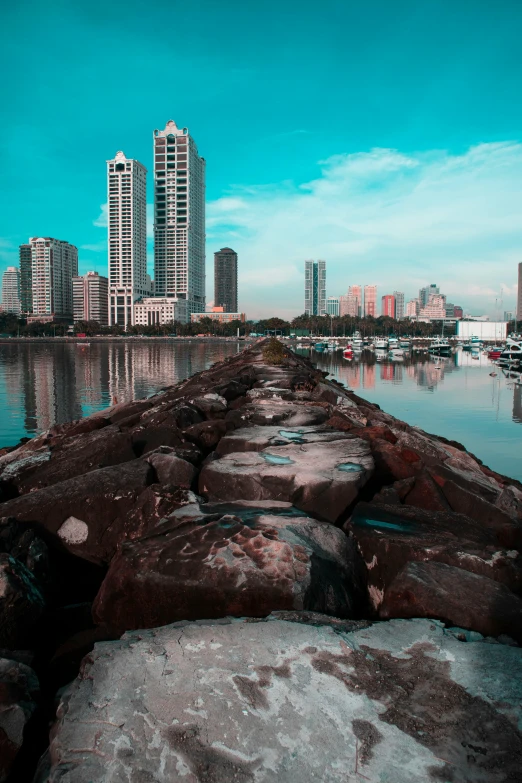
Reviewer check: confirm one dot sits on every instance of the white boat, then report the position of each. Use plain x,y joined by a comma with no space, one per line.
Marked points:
357,343
332,346
396,353
380,354
440,346
405,344
393,343
380,344
511,352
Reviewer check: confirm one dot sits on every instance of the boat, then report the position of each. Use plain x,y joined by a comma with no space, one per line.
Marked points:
393,343
404,343
396,353
357,343
495,352
380,344
321,347
332,346
475,341
440,346
512,351
380,354
348,352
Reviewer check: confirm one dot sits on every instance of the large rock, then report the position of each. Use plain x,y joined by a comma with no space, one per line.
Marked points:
319,478
230,559
19,691
21,604
280,702
89,514
292,414
455,596
391,536
260,438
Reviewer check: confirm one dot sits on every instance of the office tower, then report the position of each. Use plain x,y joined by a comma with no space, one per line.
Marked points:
91,298
519,298
388,306
26,279
370,301
434,309
399,305
426,292
412,308
127,198
356,291
53,266
11,290
509,315
315,287
349,305
332,305
225,279
458,312
179,217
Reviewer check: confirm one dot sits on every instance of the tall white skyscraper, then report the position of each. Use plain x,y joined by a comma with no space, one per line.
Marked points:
127,227
399,305
53,266
179,217
11,290
315,287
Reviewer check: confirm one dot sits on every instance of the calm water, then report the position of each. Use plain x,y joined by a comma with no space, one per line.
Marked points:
41,384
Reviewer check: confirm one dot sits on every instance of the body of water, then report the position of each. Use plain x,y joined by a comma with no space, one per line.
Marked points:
44,383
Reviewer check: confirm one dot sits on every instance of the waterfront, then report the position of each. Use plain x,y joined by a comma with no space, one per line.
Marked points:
44,383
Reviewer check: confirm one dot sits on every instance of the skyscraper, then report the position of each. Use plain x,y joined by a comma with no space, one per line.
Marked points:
356,291
519,299
127,198
370,301
426,292
179,217
53,265
349,305
315,287
332,305
91,298
399,305
26,279
388,306
225,279
11,290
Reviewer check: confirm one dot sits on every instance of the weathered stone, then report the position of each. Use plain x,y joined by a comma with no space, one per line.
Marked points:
21,604
281,702
389,537
454,596
292,414
19,692
426,494
230,559
172,470
259,438
207,434
212,406
319,478
472,481
389,463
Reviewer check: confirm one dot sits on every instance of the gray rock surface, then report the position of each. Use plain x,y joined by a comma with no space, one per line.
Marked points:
284,702
19,691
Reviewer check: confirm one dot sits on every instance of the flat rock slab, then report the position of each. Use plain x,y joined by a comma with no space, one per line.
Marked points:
319,478
259,438
283,702
230,560
293,414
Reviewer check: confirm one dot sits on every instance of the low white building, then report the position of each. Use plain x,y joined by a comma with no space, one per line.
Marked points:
484,330
153,310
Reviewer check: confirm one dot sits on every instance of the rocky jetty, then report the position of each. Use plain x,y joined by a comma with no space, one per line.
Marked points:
256,575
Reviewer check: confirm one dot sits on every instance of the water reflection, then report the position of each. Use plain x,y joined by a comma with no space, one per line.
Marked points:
44,384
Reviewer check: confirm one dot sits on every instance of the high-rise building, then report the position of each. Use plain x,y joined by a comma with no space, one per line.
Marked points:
434,309
332,305
370,301
388,305
11,290
225,279
399,305
426,292
54,263
450,309
349,305
412,308
127,198
26,279
509,315
179,217
356,291
519,298
315,287
91,298
458,312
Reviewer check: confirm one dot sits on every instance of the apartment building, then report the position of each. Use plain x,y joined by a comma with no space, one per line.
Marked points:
91,298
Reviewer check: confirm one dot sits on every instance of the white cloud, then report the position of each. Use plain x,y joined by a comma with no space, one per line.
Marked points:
398,220
103,219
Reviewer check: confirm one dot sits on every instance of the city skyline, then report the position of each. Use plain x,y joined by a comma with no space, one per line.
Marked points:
398,171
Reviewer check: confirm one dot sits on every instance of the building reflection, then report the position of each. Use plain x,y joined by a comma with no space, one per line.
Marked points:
517,403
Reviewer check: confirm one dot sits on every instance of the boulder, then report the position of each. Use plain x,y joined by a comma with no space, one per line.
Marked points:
280,702
207,434
259,438
292,414
19,692
172,470
319,478
391,536
21,604
230,559
426,494
454,596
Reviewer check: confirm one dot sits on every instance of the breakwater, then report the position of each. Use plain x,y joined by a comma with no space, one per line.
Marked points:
306,589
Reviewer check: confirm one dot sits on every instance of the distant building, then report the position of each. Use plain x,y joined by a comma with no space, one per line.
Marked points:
127,230
426,292
91,298
54,263
458,312
450,309
349,305
399,305
315,287
388,306
11,290
26,279
509,315
160,310
370,301
356,291
332,305
225,279
434,309
218,314
412,308
519,298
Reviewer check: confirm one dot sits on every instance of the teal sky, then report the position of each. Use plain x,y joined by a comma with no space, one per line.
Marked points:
382,136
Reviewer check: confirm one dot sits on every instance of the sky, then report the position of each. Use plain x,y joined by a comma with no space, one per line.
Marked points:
384,137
